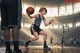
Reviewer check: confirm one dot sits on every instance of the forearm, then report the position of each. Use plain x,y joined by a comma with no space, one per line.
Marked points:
46,24
30,16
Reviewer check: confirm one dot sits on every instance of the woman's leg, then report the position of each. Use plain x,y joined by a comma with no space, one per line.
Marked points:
36,37
6,33
44,34
45,38
15,35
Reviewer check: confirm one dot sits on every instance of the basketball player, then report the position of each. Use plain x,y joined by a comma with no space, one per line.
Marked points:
35,27
11,19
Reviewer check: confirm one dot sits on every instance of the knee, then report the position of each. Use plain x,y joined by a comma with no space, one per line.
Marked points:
45,34
36,38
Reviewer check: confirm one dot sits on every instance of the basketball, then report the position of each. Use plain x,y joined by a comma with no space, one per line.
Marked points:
30,10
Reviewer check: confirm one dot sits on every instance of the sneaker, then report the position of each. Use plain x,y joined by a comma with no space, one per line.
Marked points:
46,48
8,51
17,51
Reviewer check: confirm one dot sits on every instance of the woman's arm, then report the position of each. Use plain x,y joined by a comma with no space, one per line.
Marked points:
46,24
34,16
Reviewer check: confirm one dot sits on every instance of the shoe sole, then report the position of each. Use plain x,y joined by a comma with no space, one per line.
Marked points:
46,48
27,48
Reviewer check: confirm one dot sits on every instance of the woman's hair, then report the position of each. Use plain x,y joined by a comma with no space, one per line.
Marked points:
42,8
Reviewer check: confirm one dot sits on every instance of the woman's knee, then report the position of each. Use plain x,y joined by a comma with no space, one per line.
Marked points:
36,35
45,34
36,38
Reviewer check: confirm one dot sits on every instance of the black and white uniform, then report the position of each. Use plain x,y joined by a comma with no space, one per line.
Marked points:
35,27
11,14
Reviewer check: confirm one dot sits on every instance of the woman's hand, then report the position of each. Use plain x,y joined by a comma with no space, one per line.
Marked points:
52,20
28,14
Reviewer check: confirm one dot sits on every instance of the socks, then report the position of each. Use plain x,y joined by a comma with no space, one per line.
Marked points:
28,41
7,45
16,45
45,43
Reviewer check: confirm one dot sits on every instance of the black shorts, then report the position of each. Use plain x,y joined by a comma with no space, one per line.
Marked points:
35,28
11,13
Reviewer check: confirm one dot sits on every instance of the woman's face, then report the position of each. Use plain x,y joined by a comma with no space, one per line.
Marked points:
43,12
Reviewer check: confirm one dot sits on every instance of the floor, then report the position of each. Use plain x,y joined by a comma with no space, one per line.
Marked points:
39,49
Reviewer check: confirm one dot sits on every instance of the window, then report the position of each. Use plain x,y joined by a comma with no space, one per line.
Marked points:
62,11
77,24
69,9
48,11
76,7
70,25
54,11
